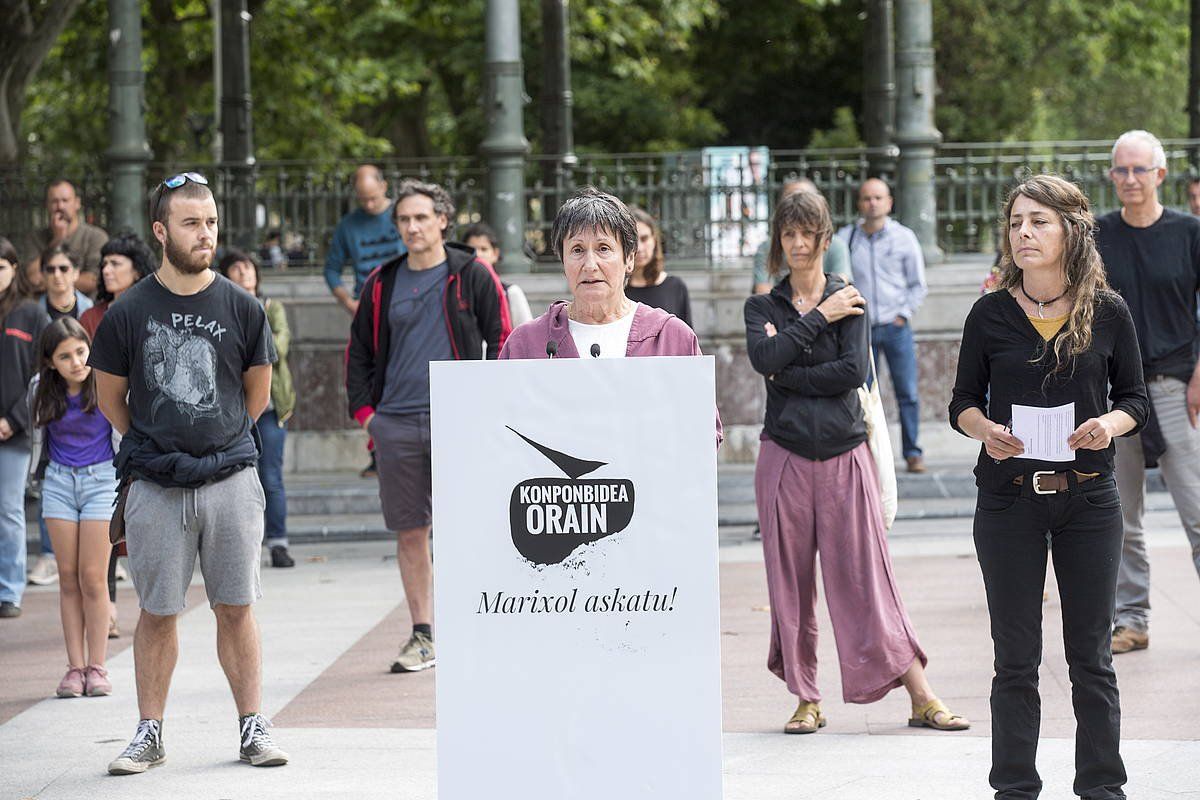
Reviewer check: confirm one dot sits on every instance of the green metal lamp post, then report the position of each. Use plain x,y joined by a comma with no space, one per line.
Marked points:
128,153
237,127
558,137
916,134
879,88
505,147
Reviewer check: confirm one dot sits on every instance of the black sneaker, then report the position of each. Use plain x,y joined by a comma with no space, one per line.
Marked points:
258,748
145,751
370,471
280,557
9,610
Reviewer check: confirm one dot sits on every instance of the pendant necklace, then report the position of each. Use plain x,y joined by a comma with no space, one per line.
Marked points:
1041,304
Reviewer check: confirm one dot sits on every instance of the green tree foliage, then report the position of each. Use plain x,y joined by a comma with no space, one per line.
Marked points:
774,71
28,30
365,78
1063,69
369,78
634,82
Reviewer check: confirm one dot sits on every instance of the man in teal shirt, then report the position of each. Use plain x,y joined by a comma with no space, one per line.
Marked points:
365,238
837,258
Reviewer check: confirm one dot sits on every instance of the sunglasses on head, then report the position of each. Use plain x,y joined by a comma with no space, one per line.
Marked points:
175,181
50,269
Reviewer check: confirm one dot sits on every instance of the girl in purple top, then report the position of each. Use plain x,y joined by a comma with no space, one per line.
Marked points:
78,492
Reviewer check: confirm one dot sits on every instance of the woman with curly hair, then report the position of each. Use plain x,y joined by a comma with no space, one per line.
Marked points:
1052,333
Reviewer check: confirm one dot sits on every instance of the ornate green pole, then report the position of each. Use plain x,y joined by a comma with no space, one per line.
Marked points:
128,152
237,128
558,137
916,134
505,147
1193,95
879,87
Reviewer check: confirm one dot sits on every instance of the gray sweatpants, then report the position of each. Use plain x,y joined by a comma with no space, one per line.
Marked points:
221,523
1180,467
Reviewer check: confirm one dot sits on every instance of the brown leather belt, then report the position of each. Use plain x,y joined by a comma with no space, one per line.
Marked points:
1045,482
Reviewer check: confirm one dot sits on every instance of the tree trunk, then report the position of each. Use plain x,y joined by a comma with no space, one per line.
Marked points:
25,39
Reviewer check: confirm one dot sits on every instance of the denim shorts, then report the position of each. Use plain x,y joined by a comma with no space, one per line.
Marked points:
79,493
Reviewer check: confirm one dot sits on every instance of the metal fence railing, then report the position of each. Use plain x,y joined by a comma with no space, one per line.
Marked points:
713,204
973,179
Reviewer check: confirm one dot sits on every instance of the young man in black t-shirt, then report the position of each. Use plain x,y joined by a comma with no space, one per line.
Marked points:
183,367
1152,255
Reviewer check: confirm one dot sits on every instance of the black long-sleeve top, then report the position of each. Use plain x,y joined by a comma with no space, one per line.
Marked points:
20,333
995,372
813,369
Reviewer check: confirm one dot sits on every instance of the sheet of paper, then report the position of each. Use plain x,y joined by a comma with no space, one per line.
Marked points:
1045,431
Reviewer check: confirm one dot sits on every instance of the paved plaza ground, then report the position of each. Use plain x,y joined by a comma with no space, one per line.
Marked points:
331,627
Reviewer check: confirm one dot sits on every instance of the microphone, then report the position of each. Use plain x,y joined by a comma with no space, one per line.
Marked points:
595,351
551,348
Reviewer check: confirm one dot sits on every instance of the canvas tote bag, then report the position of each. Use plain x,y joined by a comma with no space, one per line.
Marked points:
880,442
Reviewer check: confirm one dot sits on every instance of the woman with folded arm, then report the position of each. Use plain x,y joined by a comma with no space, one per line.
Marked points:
1052,333
816,483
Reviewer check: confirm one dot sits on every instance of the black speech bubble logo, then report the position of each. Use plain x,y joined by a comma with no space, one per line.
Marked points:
550,518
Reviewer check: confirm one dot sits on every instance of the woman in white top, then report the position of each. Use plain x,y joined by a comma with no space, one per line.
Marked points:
596,237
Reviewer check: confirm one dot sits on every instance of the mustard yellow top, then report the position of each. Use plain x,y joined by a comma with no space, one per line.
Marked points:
1049,326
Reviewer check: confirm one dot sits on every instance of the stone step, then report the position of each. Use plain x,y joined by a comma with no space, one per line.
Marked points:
349,494
359,527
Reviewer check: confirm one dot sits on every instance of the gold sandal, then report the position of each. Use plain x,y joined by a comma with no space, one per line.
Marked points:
927,717
807,719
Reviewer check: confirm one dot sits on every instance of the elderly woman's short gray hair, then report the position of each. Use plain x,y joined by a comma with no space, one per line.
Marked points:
593,210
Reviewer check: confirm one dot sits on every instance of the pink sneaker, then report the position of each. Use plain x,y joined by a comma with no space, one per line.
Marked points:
72,683
97,681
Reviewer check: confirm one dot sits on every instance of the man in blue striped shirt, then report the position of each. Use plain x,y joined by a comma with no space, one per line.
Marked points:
365,238
889,270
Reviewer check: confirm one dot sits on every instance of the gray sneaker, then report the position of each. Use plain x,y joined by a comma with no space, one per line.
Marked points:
415,655
145,751
258,748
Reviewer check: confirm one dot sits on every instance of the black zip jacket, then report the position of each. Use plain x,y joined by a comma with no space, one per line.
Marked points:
18,360
813,370
474,305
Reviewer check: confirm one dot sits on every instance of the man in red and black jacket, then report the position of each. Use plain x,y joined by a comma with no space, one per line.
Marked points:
437,302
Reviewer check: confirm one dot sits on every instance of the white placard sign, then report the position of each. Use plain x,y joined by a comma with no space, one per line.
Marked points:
577,611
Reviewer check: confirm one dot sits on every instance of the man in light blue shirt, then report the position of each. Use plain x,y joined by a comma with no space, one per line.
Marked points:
365,238
889,270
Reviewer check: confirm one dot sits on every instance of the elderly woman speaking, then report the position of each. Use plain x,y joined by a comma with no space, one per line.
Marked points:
596,237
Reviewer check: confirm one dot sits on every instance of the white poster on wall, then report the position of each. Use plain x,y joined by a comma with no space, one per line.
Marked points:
576,601
739,204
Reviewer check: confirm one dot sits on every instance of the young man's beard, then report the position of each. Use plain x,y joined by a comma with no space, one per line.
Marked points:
186,261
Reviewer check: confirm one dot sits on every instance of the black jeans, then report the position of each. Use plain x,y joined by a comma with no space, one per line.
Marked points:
1083,532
